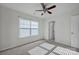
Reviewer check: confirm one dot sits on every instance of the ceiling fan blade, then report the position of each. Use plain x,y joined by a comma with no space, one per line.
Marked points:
43,6
51,7
49,12
38,10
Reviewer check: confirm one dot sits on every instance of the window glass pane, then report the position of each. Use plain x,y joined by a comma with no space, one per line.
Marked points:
27,32
34,24
34,31
24,32
23,23
27,24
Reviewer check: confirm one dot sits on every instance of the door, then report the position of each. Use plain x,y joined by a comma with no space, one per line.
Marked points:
51,31
75,31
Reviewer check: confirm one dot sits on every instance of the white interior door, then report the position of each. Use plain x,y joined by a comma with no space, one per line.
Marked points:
75,31
51,31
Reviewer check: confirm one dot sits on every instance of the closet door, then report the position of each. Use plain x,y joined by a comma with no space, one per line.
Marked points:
75,31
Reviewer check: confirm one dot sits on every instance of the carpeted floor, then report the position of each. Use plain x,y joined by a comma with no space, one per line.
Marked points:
42,47
50,49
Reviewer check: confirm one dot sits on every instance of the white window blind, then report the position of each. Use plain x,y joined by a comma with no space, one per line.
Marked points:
28,28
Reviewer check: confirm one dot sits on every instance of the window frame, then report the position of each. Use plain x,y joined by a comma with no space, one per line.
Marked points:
30,29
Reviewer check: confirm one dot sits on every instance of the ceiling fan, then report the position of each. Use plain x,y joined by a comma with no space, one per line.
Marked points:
46,9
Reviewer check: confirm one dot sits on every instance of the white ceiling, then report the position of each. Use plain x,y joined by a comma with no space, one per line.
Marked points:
30,8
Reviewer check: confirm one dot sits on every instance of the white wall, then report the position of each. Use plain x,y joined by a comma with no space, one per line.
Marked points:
9,28
62,27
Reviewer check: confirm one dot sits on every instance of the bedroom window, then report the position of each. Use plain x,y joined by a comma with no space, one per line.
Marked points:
27,28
